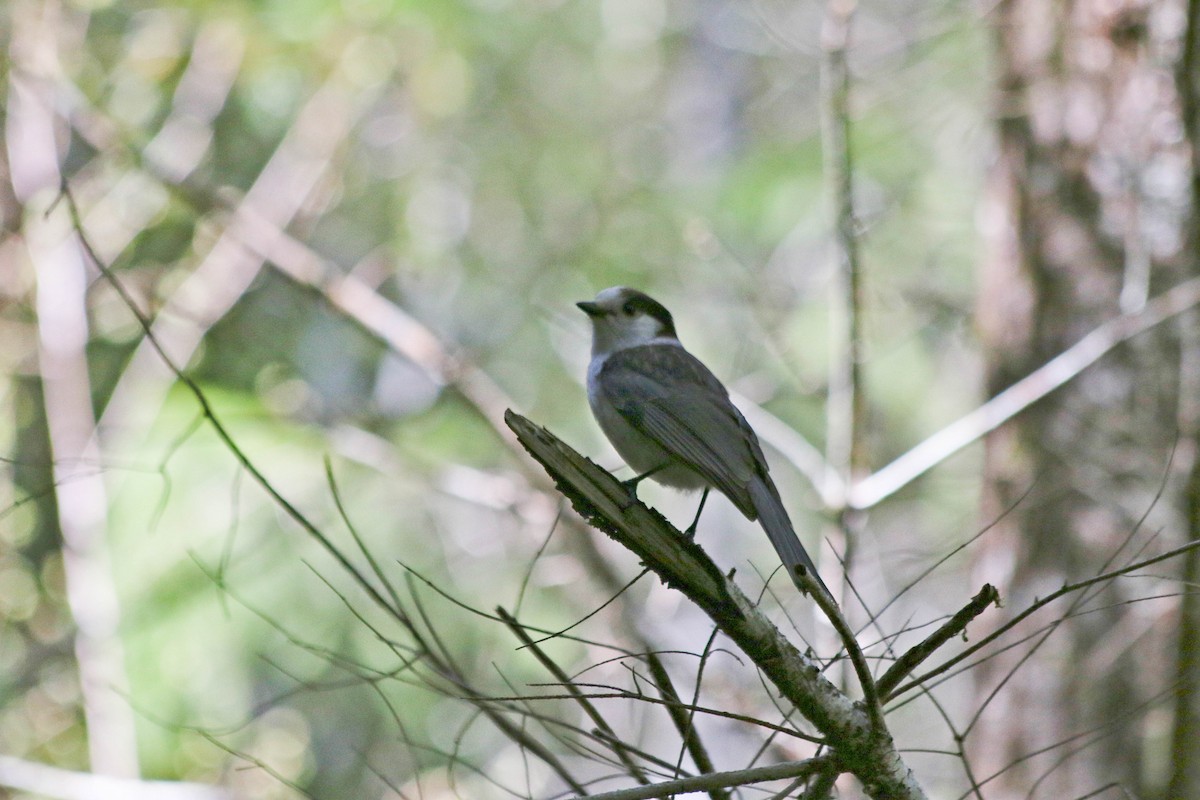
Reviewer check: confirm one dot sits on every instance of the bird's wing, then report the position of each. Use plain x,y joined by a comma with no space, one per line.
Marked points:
669,395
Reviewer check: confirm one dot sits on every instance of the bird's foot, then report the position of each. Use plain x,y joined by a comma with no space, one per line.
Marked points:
630,492
690,533
632,484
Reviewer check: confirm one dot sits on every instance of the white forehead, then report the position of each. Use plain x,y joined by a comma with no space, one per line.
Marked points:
612,296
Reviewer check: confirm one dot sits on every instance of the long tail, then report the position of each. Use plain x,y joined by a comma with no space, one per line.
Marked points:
779,529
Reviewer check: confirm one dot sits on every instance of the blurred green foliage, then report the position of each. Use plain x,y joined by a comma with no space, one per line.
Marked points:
490,163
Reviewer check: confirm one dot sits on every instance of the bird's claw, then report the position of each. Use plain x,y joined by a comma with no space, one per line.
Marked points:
630,493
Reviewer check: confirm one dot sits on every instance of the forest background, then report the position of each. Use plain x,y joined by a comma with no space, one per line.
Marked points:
944,255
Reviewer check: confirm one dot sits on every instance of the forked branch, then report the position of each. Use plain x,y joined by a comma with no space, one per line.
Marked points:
857,743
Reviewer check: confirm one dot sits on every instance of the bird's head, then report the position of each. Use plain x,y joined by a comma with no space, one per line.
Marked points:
624,317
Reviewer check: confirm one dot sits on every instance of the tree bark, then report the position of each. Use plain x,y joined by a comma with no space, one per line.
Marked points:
1185,743
856,743
1082,225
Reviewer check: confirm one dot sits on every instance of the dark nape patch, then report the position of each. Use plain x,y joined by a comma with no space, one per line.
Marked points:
646,304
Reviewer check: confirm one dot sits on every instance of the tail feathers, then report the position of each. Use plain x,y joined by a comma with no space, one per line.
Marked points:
779,529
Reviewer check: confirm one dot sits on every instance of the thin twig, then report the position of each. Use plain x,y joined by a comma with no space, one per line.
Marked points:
615,693
1040,604
856,735
344,514
309,527
953,627
720,780
1091,735
1077,602
871,696
1033,387
625,652
844,444
681,717
80,510
579,697
63,784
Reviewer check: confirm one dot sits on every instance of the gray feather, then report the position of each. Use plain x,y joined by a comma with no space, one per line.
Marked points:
779,530
665,393
668,395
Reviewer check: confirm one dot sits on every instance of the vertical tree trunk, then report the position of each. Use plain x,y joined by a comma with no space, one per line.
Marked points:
1185,744
1083,222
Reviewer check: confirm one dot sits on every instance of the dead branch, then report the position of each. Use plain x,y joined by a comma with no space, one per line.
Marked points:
860,746
953,627
721,780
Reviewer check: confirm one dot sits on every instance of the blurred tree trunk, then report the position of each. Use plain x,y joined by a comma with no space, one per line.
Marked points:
1185,744
1087,214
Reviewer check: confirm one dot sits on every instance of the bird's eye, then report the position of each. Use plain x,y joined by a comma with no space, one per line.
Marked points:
628,309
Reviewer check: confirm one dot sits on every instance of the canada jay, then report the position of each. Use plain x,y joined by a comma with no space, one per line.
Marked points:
671,419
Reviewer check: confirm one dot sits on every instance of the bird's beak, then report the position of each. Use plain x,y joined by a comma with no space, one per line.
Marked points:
590,308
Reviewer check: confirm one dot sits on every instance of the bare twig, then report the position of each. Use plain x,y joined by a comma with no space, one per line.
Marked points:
720,780
278,194
871,696
1004,406
1089,738
613,693
844,444
953,627
63,332
1077,602
1066,589
593,713
506,726
682,719
64,784
860,745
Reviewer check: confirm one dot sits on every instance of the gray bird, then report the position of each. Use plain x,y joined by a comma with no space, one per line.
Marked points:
672,420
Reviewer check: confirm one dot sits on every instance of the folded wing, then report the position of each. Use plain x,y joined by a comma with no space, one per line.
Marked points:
670,396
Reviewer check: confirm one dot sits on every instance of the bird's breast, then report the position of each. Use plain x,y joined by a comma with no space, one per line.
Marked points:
639,451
